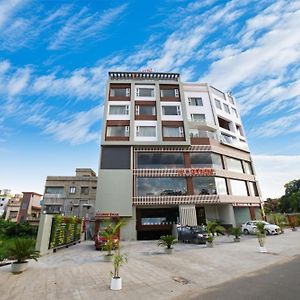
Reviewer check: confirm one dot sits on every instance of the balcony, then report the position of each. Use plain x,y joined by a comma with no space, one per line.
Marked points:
231,141
202,125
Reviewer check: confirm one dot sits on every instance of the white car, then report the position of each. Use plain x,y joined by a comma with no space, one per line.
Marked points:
251,228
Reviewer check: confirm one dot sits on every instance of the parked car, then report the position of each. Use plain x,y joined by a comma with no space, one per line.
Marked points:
251,228
192,234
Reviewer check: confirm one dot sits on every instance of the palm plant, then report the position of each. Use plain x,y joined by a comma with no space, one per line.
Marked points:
109,234
212,229
236,232
118,260
261,234
167,241
23,249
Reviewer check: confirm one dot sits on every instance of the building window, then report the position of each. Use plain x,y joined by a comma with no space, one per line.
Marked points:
218,104
173,131
174,93
238,187
120,92
171,110
195,101
145,92
198,117
117,130
209,186
119,109
158,160
145,110
161,186
248,168
84,190
226,108
234,165
54,190
230,99
234,112
224,124
72,190
239,129
147,131
206,160
253,189
228,139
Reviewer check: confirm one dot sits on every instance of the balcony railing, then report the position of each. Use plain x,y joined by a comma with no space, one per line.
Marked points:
202,124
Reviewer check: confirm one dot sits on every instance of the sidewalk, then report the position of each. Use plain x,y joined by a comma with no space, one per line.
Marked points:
79,272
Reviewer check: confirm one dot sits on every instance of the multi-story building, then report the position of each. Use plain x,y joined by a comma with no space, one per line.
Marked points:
71,195
30,208
5,195
173,152
24,207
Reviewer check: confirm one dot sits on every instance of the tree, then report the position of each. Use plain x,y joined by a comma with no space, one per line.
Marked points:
271,206
290,202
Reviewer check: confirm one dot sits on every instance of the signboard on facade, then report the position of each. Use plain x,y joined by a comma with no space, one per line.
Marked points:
105,215
196,172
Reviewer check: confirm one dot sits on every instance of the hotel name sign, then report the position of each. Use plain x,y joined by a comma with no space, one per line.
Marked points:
196,172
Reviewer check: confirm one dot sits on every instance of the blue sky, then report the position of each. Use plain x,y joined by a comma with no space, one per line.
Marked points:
55,55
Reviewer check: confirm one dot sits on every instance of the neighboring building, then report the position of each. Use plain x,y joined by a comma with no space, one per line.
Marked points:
5,195
30,208
173,152
71,195
13,207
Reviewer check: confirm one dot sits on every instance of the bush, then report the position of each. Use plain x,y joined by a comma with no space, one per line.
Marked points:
22,249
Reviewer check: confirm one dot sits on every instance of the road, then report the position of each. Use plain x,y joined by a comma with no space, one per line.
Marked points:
280,281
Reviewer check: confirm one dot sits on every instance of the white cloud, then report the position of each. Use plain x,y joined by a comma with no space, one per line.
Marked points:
77,129
8,8
274,171
84,25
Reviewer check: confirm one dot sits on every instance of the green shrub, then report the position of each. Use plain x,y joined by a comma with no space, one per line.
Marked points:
167,241
22,249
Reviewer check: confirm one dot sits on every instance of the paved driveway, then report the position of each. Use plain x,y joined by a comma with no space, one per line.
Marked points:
79,272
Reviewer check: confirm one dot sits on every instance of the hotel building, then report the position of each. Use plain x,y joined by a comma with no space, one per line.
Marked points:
173,152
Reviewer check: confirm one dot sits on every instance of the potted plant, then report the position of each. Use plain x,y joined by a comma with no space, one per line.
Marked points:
213,228
293,226
118,260
21,250
236,232
210,240
261,236
167,241
112,242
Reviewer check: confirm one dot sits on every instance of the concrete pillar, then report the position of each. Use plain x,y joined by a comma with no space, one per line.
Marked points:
44,232
226,214
128,230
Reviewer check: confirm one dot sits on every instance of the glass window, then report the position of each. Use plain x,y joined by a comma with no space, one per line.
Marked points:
248,167
253,189
198,117
146,131
234,112
221,186
84,190
117,130
72,189
161,186
145,110
239,129
218,104
195,101
171,110
204,186
226,108
230,99
54,190
169,93
173,131
234,165
118,109
238,187
120,92
159,160
145,92
206,160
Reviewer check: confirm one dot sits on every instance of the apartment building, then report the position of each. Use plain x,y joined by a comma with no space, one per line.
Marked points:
5,195
173,152
71,195
24,207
